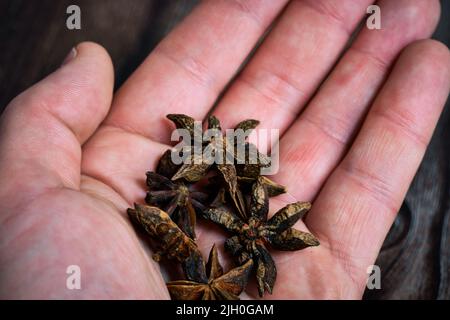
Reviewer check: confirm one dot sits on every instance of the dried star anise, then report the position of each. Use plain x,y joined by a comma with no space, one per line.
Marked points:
166,167
245,184
215,285
227,152
172,241
176,199
252,236
241,206
213,147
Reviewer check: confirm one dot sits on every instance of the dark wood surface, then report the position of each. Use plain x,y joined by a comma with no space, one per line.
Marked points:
415,260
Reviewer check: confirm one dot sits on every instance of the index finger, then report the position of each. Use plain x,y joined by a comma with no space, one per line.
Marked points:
191,66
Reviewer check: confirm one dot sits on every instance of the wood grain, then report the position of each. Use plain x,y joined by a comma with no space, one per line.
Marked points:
415,260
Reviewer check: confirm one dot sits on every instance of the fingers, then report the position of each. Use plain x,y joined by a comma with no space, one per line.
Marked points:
290,64
43,128
183,75
328,124
188,69
358,203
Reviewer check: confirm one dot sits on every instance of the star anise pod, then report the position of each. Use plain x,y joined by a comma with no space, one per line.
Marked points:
252,169
214,148
172,242
179,201
217,148
245,184
251,237
215,285
166,167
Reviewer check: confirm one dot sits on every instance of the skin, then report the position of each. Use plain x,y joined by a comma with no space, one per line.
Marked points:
73,155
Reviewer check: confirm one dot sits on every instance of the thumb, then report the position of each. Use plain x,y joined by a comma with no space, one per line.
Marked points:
42,130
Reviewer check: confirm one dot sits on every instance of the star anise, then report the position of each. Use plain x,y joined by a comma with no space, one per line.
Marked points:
166,167
230,155
245,184
173,243
214,285
179,201
250,163
251,237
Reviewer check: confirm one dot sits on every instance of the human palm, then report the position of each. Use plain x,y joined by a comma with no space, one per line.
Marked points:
73,157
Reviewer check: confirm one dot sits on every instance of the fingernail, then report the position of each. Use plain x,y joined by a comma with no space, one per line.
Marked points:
72,54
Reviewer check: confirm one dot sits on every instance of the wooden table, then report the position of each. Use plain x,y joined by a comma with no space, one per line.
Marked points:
415,260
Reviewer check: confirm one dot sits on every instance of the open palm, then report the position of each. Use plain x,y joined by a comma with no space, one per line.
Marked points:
73,158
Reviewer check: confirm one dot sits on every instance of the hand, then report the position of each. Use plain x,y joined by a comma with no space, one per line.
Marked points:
73,158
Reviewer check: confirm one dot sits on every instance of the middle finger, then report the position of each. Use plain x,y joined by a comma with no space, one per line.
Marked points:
290,64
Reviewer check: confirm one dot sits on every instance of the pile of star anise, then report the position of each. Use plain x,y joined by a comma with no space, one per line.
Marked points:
237,199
